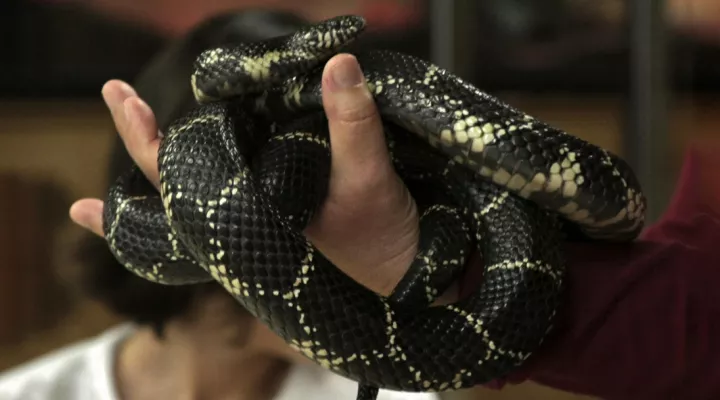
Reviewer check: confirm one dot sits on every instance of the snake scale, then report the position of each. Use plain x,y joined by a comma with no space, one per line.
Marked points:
243,173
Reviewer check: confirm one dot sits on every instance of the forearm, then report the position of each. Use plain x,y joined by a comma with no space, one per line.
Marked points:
638,320
638,323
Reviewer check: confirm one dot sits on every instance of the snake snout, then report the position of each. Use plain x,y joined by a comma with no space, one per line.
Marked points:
331,34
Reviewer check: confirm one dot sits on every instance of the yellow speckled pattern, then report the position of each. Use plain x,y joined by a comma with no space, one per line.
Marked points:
486,177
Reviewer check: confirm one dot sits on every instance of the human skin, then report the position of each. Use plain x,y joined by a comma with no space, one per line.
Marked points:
676,258
368,226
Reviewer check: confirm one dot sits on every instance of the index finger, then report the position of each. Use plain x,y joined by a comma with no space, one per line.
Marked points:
141,138
136,125
115,92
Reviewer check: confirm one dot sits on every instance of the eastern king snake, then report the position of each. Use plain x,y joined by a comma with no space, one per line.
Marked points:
244,172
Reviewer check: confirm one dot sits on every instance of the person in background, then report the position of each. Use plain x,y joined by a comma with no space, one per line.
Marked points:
638,322
196,342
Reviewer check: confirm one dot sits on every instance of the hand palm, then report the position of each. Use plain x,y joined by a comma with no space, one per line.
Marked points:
368,224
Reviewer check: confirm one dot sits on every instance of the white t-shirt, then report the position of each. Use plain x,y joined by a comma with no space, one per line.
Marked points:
84,371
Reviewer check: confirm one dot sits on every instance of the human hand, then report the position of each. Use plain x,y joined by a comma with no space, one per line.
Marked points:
368,225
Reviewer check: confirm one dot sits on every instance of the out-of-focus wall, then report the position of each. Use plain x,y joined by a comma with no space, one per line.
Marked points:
65,142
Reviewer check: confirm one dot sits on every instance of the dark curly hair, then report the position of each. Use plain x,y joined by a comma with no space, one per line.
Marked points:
164,85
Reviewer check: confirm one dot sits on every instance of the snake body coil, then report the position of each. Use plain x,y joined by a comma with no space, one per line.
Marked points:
243,173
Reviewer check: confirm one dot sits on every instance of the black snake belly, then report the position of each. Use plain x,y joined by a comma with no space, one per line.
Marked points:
243,173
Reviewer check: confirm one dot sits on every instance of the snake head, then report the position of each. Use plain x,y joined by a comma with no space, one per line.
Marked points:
329,35
226,71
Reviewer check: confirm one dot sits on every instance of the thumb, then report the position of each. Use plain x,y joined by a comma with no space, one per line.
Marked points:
359,150
88,214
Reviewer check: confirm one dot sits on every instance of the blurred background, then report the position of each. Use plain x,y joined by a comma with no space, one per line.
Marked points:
639,78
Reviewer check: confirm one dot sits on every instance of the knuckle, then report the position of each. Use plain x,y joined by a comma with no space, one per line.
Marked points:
359,118
360,113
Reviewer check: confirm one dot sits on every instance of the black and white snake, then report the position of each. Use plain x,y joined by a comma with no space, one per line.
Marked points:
243,173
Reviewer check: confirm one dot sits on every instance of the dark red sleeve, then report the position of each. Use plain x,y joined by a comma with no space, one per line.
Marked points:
642,321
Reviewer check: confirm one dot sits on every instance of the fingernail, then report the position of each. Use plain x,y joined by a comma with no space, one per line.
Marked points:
127,108
346,73
109,101
88,214
135,109
127,90
124,92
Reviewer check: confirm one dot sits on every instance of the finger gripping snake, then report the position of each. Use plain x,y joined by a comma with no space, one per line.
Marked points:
243,173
